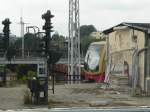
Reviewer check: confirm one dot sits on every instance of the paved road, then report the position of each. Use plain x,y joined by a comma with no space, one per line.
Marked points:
82,110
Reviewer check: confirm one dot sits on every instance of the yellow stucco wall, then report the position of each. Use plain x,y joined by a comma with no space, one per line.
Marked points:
120,43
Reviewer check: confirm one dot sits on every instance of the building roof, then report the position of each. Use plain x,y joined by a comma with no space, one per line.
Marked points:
145,27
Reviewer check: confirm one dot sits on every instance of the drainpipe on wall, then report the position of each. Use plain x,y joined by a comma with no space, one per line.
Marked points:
135,50
135,69
134,63
107,66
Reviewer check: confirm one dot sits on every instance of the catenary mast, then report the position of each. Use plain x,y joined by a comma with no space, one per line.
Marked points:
74,42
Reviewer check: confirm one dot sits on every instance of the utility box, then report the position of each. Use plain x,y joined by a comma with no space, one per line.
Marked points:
42,70
39,85
42,83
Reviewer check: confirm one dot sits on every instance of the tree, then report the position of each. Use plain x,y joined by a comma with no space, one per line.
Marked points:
22,70
85,42
54,56
11,52
62,38
31,42
57,47
55,36
86,39
86,30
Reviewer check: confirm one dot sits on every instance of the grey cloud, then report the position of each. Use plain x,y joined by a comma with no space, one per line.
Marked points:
121,5
101,13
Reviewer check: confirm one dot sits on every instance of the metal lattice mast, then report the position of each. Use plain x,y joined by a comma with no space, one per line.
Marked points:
22,35
22,24
74,42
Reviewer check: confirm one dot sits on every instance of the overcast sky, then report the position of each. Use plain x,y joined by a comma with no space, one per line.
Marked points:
101,13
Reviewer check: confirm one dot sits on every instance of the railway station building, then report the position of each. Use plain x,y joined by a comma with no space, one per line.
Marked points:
128,48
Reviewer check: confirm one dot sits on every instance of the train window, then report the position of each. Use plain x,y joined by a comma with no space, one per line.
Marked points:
92,56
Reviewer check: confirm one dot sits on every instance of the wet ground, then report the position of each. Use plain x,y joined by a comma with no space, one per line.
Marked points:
93,95
12,98
77,95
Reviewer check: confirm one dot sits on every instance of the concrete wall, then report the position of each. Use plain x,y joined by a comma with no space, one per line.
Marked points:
141,44
119,47
121,43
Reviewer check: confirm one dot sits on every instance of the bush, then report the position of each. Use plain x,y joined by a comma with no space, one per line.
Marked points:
31,74
23,79
27,96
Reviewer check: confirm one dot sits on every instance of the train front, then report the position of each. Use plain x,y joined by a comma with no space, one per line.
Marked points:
94,63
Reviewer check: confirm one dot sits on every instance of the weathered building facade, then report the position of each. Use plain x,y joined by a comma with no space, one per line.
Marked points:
128,47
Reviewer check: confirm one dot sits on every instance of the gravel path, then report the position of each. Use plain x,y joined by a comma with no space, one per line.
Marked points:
83,95
65,96
11,98
75,95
